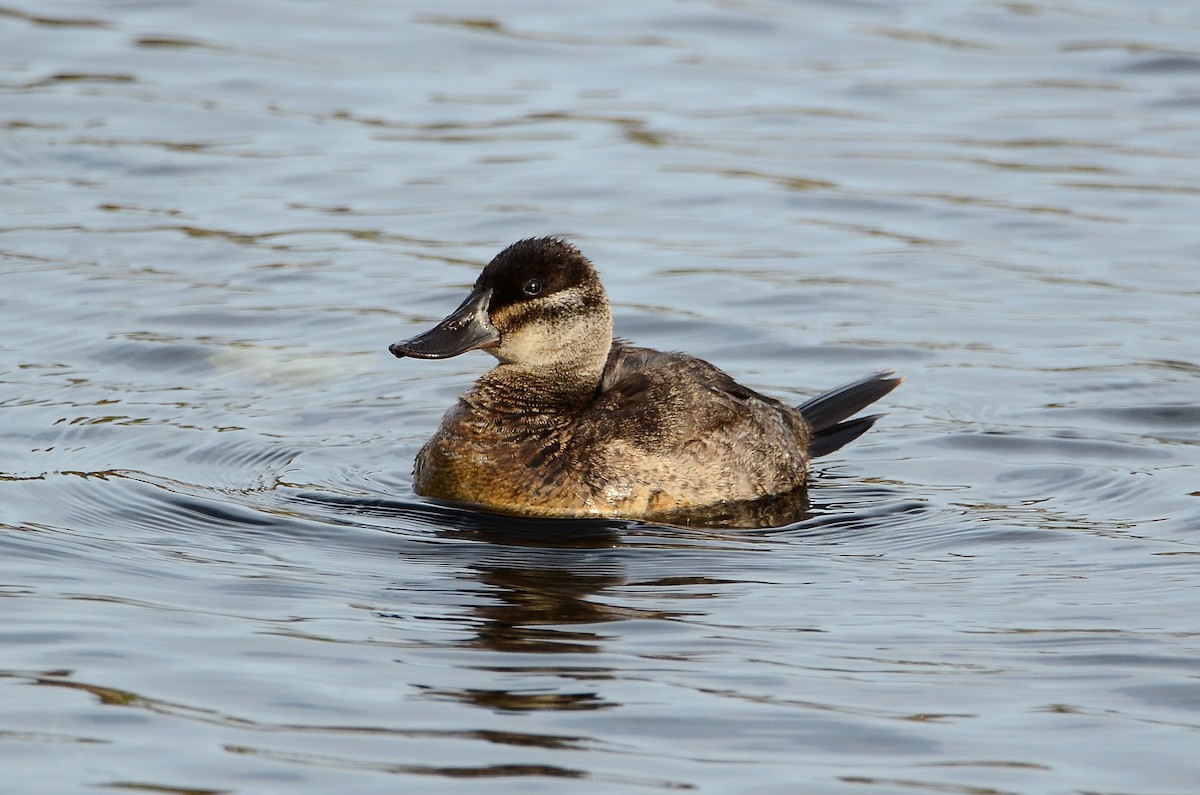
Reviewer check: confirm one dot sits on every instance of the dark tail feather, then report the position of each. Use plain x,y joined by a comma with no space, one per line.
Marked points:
838,436
825,413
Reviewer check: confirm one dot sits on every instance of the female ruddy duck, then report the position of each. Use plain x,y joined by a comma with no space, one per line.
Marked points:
574,423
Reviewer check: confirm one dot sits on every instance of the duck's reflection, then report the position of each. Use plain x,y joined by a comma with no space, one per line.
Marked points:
541,598
524,701
546,579
547,609
541,576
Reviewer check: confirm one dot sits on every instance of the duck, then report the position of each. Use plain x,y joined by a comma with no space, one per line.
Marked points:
574,423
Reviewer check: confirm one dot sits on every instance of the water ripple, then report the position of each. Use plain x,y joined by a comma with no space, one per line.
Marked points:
215,576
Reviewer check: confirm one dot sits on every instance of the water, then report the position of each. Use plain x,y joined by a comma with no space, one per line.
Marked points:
218,215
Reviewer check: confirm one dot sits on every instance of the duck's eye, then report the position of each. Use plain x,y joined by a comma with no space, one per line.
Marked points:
533,287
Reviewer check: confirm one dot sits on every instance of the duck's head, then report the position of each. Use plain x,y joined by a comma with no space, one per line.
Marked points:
538,304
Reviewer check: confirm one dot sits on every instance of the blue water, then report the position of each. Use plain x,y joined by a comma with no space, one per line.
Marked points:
216,217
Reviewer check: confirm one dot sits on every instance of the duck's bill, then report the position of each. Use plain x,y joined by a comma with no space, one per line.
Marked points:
466,329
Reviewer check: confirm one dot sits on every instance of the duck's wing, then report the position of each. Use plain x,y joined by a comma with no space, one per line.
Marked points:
665,402
626,371
631,372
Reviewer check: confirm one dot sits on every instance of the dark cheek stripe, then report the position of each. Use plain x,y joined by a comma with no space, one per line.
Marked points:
544,311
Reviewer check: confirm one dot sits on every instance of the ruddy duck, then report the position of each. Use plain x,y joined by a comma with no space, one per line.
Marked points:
574,423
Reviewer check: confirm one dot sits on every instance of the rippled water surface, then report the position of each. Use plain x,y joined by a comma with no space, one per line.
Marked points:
217,215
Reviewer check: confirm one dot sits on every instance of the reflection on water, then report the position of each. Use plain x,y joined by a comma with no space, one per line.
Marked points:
214,576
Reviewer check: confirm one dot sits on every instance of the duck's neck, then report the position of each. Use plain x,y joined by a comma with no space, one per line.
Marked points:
540,396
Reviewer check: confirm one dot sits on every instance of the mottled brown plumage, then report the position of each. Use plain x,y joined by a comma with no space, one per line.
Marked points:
573,423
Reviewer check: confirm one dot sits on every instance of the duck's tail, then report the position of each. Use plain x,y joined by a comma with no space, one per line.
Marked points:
827,413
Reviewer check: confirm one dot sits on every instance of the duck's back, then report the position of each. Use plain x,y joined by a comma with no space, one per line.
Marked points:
674,432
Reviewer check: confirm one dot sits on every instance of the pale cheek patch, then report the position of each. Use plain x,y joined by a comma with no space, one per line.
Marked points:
521,347
557,329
